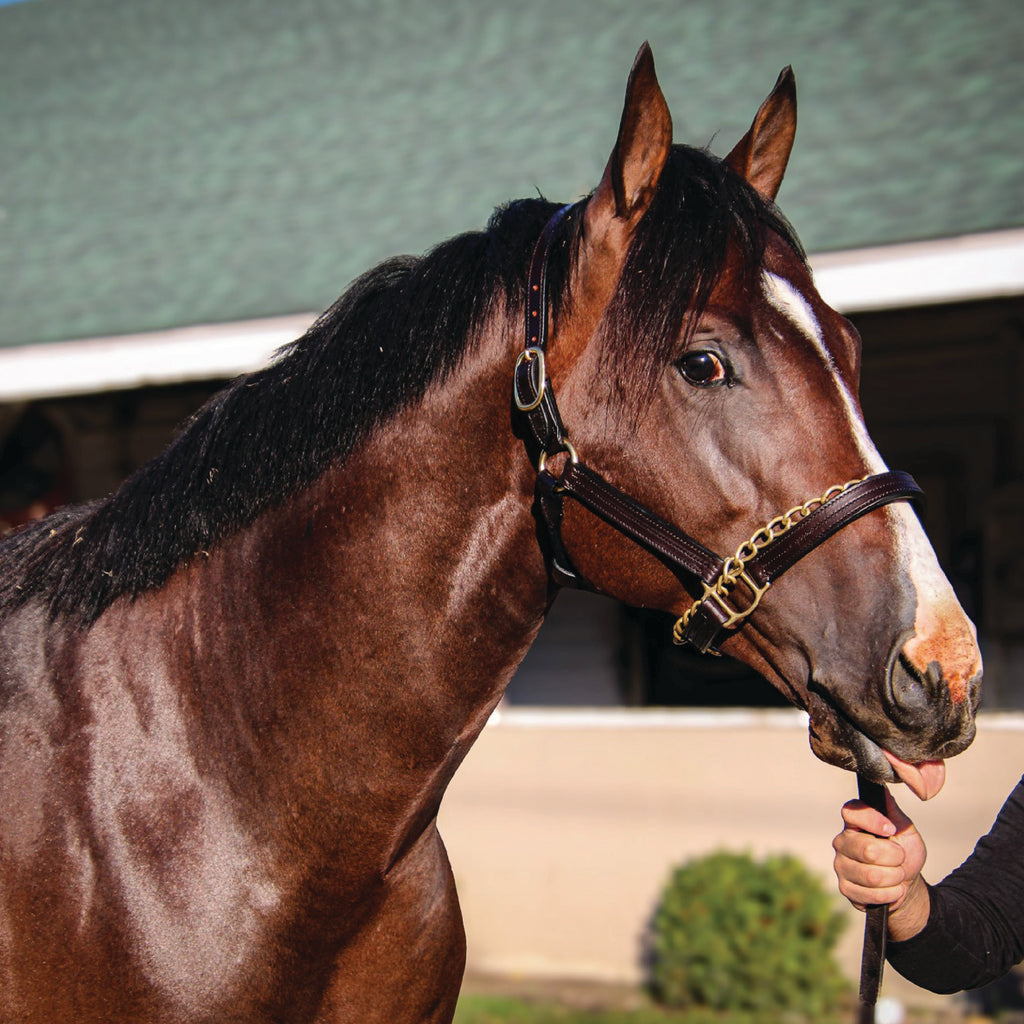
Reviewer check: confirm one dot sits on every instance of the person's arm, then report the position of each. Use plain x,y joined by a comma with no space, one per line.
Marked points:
962,933
975,932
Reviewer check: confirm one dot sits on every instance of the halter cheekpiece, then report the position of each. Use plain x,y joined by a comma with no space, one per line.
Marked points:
730,588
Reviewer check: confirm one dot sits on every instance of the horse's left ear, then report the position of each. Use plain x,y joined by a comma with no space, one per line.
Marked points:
762,154
640,153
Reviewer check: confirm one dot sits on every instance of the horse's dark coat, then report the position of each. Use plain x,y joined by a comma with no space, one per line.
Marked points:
232,694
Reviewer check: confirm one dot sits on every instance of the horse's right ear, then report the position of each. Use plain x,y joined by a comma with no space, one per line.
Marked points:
640,153
619,201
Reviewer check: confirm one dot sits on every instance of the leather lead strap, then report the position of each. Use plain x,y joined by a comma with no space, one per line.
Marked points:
872,959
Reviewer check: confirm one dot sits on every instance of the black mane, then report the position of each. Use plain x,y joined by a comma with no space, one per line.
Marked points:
398,330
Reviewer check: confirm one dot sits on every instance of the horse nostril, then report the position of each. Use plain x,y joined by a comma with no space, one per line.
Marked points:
974,691
913,692
930,701
975,688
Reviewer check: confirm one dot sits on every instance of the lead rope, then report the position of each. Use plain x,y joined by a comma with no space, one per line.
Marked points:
876,923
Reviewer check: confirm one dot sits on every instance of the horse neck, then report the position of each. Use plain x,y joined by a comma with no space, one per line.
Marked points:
430,543
372,624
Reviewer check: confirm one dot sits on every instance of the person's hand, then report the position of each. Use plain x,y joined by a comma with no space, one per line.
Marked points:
879,859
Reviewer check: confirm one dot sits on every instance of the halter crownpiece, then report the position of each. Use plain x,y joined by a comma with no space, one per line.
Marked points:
732,588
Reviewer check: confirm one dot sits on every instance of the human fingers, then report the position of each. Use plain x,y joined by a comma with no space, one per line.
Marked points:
908,837
869,870
869,850
862,896
861,816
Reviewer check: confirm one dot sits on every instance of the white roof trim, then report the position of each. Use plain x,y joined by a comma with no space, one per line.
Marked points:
135,360
961,269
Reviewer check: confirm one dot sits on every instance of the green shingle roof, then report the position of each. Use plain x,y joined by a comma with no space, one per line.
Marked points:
173,163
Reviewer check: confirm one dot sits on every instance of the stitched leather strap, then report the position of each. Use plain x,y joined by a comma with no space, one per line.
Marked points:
532,392
689,557
827,519
678,549
771,562
872,959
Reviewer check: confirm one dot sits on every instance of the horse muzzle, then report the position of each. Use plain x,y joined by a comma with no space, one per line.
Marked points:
924,714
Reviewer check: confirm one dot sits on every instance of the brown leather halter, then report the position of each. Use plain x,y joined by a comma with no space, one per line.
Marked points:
731,588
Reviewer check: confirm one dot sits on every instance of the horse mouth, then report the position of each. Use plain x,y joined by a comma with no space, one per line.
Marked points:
845,744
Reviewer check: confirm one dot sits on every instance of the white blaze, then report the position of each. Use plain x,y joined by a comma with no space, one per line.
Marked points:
940,624
787,300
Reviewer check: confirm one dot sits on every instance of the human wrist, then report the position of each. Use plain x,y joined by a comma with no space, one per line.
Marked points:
913,912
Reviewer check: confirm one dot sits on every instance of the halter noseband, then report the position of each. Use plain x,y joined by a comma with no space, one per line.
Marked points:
732,587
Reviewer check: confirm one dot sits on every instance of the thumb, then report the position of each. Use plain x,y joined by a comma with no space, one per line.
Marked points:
895,813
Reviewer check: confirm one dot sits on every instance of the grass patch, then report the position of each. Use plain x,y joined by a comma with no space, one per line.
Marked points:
483,1009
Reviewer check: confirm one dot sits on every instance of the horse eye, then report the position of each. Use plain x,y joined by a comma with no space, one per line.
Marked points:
702,369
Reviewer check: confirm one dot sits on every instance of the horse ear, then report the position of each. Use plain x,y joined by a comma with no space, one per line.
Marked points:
641,149
762,154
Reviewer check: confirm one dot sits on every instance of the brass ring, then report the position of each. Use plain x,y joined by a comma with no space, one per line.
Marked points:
529,355
566,446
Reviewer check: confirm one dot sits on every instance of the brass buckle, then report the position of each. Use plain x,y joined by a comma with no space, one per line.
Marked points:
720,593
529,355
724,588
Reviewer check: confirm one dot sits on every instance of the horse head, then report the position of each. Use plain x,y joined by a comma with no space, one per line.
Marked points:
698,370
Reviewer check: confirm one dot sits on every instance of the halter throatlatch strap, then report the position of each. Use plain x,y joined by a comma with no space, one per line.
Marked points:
730,589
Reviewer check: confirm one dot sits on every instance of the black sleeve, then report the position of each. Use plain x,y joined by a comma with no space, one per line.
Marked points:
975,932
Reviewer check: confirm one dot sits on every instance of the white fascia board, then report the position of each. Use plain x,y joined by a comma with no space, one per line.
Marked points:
91,365
964,269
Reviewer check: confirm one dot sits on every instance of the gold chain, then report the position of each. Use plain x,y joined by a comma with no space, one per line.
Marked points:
734,569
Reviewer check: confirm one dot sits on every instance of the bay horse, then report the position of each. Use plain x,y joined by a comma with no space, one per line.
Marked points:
233,692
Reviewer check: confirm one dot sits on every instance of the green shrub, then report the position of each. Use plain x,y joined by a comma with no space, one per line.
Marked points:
731,933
